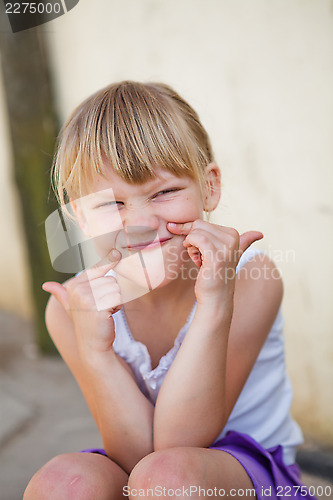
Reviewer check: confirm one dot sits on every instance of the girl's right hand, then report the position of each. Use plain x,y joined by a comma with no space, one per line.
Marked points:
90,299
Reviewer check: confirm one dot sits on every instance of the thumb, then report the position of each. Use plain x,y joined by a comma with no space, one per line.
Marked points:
114,257
246,240
104,266
58,291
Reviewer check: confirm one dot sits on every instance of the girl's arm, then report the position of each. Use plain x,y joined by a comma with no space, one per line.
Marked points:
231,323
124,416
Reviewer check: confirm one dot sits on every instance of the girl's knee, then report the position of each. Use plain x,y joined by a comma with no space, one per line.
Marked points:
76,476
171,469
62,477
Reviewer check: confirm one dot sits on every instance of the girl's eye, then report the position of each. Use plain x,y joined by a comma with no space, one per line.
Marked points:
166,191
112,204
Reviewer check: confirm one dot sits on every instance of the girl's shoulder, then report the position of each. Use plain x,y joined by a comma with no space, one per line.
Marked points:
260,275
251,255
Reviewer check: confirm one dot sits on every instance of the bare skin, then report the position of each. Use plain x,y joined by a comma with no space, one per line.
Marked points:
165,445
83,476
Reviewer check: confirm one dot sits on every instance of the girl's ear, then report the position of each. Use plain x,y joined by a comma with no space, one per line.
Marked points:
213,187
80,216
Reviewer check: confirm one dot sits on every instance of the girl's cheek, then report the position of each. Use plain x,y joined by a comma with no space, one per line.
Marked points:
102,226
183,212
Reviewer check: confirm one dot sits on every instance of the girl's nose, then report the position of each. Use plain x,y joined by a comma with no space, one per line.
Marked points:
140,216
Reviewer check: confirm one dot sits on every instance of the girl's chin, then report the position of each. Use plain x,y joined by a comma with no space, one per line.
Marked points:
148,278
155,267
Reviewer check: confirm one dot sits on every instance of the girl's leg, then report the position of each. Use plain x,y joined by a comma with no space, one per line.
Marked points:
183,471
77,476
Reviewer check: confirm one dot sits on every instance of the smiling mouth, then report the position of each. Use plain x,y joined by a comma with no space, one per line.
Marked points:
148,244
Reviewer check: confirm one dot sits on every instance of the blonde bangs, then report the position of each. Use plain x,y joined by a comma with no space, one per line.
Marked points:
132,128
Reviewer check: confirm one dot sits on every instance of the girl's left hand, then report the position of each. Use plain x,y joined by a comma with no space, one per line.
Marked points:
216,250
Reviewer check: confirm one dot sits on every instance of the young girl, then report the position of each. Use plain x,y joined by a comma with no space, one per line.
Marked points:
187,383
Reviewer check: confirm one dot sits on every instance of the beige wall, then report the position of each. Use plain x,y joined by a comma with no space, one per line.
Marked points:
260,75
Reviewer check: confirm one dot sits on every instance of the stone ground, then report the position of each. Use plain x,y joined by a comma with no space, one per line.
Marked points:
42,414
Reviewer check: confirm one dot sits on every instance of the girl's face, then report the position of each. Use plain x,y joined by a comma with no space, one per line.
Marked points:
133,219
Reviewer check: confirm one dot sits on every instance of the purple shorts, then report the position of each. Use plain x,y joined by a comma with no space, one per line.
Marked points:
270,476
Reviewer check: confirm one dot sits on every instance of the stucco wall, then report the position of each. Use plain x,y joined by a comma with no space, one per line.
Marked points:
260,75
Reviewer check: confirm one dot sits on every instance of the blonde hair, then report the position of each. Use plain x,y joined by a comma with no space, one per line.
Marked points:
132,127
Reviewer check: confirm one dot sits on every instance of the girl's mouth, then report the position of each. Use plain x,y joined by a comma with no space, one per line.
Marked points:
146,245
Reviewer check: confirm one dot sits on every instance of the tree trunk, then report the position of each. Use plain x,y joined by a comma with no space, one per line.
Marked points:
33,128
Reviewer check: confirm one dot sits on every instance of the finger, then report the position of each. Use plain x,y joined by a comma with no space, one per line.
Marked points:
195,255
99,289
110,302
211,237
200,243
104,266
179,228
246,239
185,228
58,291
